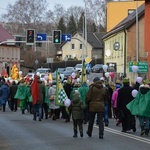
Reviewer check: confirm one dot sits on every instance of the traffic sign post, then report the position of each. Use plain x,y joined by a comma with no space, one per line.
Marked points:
66,37
142,66
41,37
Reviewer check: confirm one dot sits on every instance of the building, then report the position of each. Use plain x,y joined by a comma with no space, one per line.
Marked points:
119,10
121,44
9,54
78,48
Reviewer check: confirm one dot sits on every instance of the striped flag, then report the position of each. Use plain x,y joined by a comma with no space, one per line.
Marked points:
61,95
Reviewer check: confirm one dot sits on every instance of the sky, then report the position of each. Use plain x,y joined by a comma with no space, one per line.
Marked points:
65,3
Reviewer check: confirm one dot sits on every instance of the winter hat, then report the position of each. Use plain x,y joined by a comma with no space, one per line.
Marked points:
118,86
126,80
76,95
96,79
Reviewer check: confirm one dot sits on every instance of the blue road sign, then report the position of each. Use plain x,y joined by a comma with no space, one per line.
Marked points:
66,37
41,37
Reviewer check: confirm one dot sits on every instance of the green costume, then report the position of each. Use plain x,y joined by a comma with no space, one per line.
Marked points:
140,106
21,94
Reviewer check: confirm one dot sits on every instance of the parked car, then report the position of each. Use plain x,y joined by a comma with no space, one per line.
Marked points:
61,76
97,68
30,75
78,67
43,70
61,70
68,72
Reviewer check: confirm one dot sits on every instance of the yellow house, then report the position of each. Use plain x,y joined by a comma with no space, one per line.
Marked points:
78,48
121,44
118,10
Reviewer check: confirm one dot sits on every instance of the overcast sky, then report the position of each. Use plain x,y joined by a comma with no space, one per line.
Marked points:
65,3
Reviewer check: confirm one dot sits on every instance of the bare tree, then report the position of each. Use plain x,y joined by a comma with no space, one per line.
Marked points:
96,9
25,14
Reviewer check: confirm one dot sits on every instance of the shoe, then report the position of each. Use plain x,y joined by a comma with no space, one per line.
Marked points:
88,134
142,132
40,119
123,131
106,125
67,120
75,136
117,124
81,135
134,129
100,137
34,119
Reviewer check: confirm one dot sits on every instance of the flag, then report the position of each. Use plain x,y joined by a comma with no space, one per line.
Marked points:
61,95
50,77
83,74
34,90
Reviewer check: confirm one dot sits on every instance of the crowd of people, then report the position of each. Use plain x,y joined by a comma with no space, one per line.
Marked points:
90,103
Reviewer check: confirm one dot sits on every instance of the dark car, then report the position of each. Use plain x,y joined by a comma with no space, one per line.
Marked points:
98,68
61,70
68,72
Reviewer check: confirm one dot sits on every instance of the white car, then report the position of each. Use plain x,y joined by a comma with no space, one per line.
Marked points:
30,75
78,68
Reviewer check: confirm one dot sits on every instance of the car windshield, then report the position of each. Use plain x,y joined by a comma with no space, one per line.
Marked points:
78,66
98,65
42,70
69,68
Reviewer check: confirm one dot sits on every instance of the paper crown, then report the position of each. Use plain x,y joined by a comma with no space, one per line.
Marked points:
126,80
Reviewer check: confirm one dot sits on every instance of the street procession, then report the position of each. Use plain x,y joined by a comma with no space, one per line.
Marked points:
78,99
74,75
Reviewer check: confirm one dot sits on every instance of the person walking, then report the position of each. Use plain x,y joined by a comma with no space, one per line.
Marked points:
38,95
54,109
83,91
140,107
76,109
14,101
124,115
96,98
4,94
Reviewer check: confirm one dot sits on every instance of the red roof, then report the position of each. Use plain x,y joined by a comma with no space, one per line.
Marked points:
4,34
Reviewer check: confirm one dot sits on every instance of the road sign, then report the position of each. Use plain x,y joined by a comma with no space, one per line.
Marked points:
66,37
142,66
41,37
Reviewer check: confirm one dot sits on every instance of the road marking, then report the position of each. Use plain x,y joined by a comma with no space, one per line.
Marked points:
141,139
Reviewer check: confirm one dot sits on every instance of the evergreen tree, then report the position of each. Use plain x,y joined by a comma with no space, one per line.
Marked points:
71,28
61,25
80,22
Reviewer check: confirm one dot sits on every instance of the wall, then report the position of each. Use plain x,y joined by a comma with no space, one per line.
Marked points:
117,11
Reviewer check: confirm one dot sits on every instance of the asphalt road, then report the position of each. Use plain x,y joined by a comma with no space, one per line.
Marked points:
19,132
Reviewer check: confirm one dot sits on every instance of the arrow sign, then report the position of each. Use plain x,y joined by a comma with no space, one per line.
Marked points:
41,37
66,37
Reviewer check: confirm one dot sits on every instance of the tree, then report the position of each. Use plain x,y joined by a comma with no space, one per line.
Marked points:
81,22
97,10
25,14
61,25
71,28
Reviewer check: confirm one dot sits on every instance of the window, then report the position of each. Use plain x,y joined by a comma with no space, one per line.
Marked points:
80,46
73,46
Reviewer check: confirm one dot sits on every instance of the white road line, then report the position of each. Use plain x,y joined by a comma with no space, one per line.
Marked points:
141,139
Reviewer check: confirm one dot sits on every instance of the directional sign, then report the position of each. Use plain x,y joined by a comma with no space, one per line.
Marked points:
66,37
41,37
142,66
